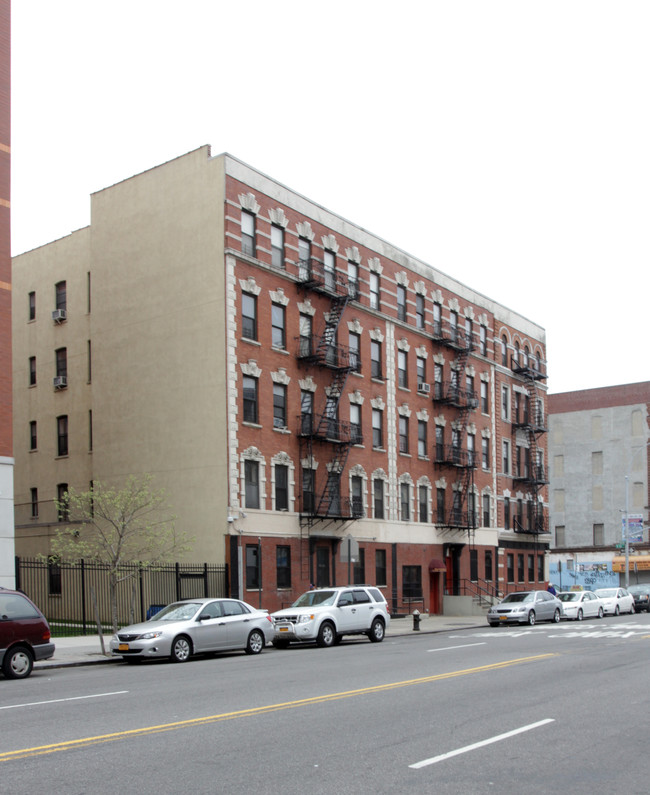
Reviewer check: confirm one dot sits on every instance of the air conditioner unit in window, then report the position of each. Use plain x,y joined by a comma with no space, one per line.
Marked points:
60,381
426,388
279,423
59,315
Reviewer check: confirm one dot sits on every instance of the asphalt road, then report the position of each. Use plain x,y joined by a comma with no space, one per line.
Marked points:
548,709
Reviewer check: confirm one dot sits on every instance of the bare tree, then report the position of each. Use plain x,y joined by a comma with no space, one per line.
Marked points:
118,527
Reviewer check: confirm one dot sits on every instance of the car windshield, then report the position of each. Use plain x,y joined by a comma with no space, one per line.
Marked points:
606,593
312,598
638,589
568,597
518,597
178,611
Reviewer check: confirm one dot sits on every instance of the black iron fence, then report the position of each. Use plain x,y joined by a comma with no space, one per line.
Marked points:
76,596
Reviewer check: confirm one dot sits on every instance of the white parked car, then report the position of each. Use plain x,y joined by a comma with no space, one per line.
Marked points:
615,600
326,614
581,604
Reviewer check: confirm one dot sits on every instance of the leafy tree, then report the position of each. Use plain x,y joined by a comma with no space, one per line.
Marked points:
119,527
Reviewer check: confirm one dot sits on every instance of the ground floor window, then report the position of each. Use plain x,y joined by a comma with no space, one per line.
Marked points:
253,575
412,582
380,567
283,566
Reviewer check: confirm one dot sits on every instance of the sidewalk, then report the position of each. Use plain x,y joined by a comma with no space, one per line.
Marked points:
86,649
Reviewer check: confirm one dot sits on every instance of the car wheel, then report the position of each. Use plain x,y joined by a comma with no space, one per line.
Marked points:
531,618
579,616
255,642
181,649
557,615
18,663
326,634
281,644
632,609
601,612
376,633
617,610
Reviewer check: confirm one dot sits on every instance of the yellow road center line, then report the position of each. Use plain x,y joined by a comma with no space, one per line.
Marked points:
243,713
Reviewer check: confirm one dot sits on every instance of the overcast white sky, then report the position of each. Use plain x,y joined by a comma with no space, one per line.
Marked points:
505,143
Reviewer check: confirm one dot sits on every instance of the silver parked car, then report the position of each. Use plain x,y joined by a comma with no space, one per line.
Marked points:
525,607
195,626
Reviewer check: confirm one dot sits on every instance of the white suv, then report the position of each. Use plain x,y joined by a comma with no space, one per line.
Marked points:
326,614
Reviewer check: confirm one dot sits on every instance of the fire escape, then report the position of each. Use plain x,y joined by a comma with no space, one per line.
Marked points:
530,422
322,499
460,462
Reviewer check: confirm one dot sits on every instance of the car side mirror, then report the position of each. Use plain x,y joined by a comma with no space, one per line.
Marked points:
345,602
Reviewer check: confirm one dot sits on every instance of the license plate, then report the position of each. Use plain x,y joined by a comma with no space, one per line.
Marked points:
503,618
123,647
283,629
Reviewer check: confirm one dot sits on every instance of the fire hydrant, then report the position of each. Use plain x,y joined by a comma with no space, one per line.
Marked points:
416,620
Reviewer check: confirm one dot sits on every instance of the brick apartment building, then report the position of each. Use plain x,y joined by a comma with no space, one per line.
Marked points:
298,385
6,426
600,469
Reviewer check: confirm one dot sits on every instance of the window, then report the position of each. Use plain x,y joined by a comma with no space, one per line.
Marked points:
353,280
356,494
34,501
510,567
453,326
403,427
440,443
278,333
470,449
540,568
33,438
380,566
306,336
61,356
304,250
32,371
437,382
483,341
252,483
440,506
485,406
506,457
421,368
281,487
506,513
473,565
504,351
279,406
375,359
486,510
306,412
419,311
485,452
355,352
402,369
249,390
277,246
401,303
253,574
423,503
63,508
412,582
515,355
32,306
488,564
374,291
359,570
356,436
283,566
377,428
520,568
559,536
422,439
61,301
248,233
333,494
531,568
505,403
599,535
308,504
249,316
330,269
378,498
469,333
405,502
62,435
437,320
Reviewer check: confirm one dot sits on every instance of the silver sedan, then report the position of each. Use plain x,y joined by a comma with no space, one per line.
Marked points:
195,626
